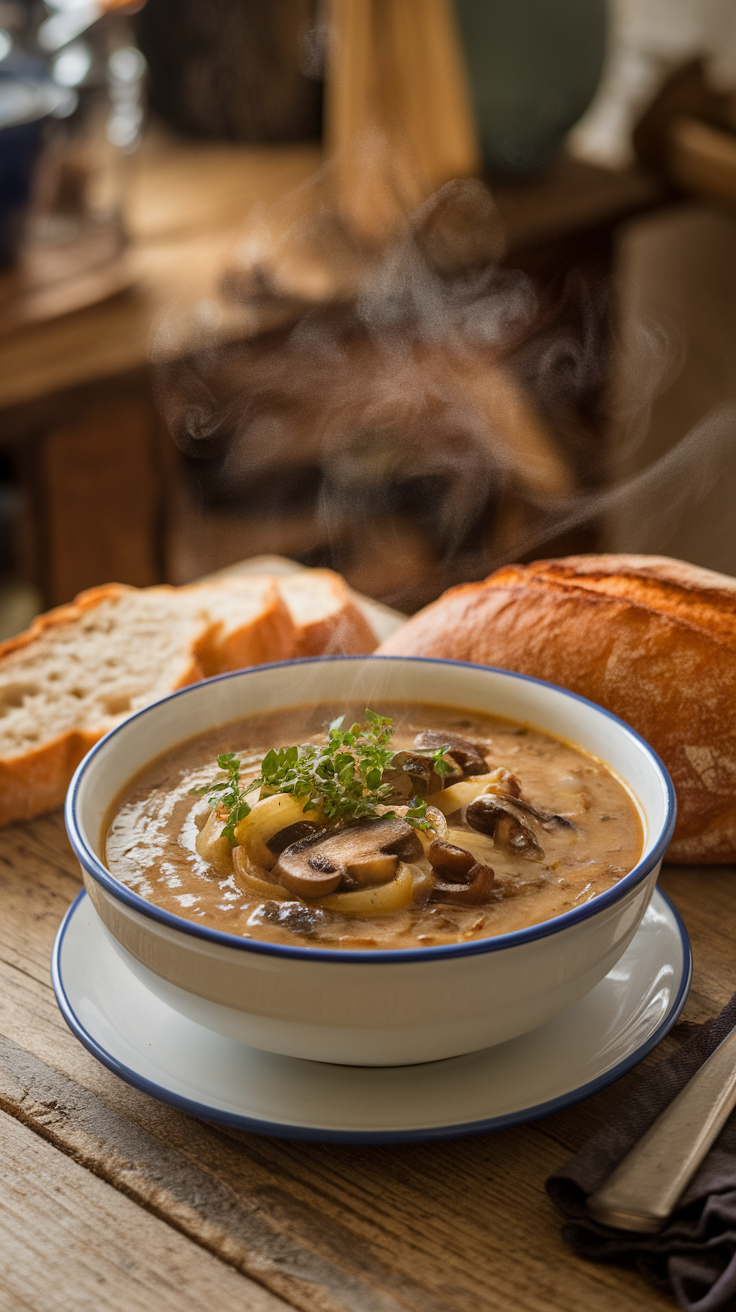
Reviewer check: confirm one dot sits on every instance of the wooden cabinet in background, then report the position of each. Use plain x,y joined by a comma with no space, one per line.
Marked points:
90,467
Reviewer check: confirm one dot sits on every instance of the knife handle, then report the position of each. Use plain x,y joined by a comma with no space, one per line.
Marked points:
645,1187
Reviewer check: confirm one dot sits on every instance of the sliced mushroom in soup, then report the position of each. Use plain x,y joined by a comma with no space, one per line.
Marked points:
404,826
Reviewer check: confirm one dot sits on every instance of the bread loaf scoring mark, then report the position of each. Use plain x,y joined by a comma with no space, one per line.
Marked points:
710,612
699,598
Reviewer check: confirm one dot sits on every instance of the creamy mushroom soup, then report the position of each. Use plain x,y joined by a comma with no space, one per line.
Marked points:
409,825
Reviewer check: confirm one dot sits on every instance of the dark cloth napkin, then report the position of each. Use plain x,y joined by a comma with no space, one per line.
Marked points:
694,1257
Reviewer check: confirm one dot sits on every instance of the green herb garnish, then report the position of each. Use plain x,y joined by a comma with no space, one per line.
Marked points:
343,776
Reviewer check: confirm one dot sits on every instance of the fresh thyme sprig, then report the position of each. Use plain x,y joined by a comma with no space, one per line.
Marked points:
227,795
343,776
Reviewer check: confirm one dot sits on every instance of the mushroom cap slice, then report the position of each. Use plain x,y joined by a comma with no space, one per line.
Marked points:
364,853
373,868
471,892
545,819
297,917
450,861
307,871
411,775
466,755
292,834
495,814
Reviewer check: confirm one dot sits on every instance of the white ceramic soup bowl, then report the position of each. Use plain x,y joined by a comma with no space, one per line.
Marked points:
375,1008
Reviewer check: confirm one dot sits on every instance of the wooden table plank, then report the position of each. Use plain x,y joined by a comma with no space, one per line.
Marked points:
445,1227
95,1250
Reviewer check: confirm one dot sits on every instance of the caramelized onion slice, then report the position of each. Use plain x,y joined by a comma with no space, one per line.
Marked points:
268,817
375,901
253,881
423,883
212,847
459,795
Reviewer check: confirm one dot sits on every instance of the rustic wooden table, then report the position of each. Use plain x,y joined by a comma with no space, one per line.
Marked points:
110,1200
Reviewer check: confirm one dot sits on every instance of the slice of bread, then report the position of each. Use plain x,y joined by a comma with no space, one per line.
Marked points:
326,618
79,670
251,623
82,668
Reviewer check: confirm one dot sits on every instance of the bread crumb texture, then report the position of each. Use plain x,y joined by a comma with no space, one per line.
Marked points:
85,666
651,639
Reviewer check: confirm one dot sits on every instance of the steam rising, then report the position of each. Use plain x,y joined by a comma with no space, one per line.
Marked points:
438,417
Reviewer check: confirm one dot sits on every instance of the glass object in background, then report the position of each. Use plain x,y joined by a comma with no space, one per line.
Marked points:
533,68
74,231
27,98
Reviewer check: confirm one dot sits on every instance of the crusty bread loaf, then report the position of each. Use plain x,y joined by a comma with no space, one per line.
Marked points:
651,639
82,668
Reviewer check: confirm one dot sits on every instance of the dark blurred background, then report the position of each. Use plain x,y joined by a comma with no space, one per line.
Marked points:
408,290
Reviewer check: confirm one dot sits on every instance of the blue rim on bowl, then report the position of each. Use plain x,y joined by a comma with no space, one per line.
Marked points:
282,1130
101,874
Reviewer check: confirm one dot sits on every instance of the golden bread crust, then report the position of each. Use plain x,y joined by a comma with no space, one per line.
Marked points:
37,781
331,622
265,633
66,614
345,633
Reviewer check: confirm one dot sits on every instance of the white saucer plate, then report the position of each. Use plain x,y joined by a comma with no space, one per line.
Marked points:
577,1053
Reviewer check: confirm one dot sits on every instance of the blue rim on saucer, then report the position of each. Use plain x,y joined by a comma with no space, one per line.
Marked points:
101,874
286,1130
